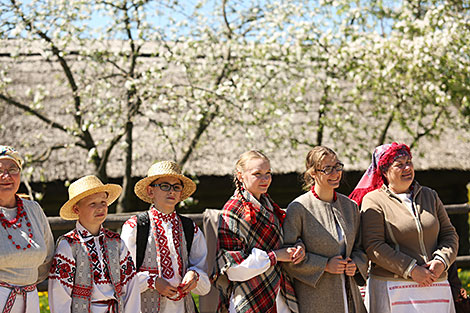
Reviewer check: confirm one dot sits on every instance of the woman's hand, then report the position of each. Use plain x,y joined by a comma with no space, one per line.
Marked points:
436,267
164,288
189,282
292,254
422,275
336,265
297,253
351,267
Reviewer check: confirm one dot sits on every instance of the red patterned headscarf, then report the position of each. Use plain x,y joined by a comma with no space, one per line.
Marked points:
373,178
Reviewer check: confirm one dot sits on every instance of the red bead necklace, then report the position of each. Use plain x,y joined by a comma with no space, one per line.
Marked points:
16,224
318,197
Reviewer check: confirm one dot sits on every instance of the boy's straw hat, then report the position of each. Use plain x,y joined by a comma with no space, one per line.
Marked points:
164,169
84,187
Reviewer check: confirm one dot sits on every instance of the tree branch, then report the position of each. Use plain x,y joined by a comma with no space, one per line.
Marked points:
47,153
227,24
383,135
165,135
33,112
427,130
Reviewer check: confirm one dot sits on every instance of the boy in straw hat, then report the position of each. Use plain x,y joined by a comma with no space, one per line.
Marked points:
167,244
92,270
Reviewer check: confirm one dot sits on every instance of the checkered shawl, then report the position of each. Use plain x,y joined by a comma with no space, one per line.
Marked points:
236,238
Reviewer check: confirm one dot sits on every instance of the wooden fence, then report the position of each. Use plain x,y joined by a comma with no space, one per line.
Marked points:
115,221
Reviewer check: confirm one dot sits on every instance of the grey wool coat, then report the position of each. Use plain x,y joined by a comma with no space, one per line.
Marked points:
313,222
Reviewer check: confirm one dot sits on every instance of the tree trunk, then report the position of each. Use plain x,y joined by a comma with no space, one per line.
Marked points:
125,201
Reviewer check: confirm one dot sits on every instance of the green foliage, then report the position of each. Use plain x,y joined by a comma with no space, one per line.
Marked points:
43,302
348,74
464,276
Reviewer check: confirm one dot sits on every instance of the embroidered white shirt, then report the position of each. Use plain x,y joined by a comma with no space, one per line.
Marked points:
197,259
61,282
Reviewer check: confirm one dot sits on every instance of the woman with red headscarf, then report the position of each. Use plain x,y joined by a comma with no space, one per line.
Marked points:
407,236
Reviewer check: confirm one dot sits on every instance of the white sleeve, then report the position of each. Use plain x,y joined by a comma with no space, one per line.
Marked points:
256,263
61,279
198,262
129,281
129,237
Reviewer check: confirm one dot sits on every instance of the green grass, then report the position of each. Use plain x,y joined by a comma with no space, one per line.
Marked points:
44,304
464,276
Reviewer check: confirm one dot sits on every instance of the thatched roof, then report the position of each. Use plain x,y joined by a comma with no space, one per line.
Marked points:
215,154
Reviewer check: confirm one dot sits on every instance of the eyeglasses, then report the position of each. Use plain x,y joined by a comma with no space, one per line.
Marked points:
167,187
11,171
327,170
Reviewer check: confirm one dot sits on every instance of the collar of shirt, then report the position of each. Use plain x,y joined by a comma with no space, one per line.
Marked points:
166,218
85,235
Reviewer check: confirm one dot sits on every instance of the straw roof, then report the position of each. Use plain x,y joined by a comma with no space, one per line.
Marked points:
215,154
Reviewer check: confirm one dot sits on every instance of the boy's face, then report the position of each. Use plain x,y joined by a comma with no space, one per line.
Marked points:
165,201
92,210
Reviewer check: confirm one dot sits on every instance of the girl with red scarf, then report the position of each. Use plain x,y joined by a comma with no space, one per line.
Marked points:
250,245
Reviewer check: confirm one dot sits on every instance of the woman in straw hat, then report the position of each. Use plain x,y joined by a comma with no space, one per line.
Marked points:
26,242
407,235
166,244
250,246
92,270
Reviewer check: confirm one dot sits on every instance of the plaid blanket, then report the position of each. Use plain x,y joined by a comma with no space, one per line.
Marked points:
236,238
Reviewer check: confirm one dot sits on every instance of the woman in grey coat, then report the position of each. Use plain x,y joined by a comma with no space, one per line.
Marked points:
328,224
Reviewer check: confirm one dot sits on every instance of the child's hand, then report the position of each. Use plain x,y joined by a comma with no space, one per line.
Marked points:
164,288
189,282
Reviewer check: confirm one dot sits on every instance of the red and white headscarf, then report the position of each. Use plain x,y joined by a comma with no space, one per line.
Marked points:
373,178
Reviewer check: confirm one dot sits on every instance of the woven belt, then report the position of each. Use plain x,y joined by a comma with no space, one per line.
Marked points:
16,290
111,303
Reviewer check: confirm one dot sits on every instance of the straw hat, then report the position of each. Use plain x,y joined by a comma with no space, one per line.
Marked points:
164,169
84,187
7,152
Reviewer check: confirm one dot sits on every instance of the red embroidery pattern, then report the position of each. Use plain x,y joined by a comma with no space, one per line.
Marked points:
177,239
110,234
127,269
16,290
81,291
132,222
165,260
163,251
63,269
